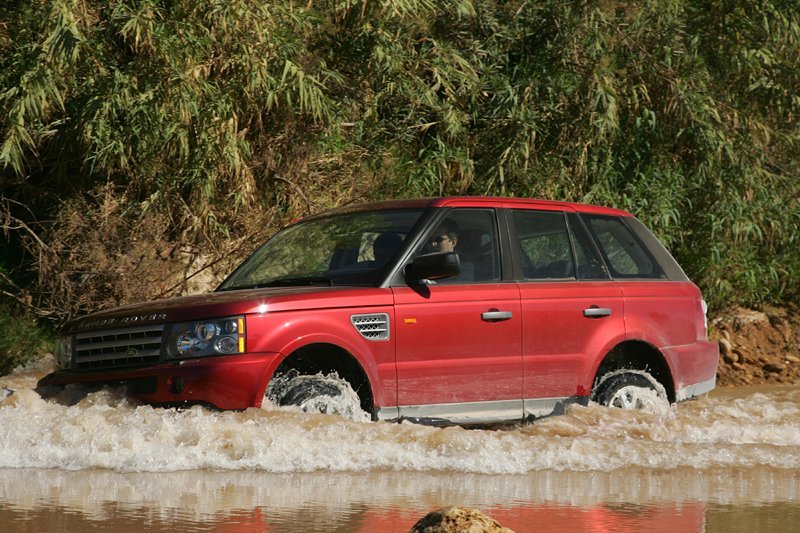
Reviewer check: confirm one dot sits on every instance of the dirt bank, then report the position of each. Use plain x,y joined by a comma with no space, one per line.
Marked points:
758,346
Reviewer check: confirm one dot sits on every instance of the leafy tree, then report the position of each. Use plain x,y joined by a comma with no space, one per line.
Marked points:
215,122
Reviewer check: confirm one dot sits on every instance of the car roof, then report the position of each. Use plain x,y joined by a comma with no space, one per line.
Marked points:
479,201
524,203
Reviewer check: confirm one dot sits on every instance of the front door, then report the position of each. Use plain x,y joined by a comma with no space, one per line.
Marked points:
458,340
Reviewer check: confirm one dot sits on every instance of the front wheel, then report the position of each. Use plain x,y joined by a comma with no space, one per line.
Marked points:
631,389
318,393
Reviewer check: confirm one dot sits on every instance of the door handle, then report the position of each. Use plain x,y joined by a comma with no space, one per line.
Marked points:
495,316
596,312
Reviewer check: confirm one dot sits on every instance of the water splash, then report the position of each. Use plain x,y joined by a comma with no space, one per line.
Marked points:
652,399
326,394
109,431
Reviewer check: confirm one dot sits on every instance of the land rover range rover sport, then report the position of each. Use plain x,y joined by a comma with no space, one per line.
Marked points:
467,310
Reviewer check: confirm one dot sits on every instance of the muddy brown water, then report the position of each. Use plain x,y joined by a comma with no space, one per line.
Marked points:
726,462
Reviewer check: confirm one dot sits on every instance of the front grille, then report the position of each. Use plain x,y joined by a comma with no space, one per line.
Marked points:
140,345
374,327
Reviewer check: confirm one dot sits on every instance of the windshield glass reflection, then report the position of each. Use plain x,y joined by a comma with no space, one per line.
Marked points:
345,249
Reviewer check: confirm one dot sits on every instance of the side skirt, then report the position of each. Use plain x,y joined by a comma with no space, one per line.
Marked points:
543,407
478,413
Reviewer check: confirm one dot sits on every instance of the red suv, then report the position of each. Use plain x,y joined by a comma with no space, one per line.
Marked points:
454,310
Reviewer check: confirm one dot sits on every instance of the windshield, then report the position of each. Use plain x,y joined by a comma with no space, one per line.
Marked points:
346,249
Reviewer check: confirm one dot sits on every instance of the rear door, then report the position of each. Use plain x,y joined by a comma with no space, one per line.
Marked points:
459,339
571,308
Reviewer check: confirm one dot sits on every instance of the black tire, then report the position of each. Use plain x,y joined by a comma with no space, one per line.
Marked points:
326,394
625,390
306,388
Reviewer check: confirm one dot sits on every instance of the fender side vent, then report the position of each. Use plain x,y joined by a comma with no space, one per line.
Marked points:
373,327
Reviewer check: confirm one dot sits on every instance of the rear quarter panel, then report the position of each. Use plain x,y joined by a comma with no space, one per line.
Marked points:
664,313
669,316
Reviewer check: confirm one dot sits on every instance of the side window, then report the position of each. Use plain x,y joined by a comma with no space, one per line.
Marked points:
472,233
590,265
625,255
544,244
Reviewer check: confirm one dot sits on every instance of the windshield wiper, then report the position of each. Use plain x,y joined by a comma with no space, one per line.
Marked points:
283,282
288,282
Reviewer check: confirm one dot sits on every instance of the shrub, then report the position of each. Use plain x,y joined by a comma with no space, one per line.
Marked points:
202,117
22,338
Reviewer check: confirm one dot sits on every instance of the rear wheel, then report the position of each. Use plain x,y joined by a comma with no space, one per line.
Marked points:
631,389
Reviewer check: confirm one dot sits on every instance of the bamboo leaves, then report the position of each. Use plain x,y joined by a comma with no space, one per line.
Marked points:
205,112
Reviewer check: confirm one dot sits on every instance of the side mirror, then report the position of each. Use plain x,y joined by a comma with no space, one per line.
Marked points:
433,266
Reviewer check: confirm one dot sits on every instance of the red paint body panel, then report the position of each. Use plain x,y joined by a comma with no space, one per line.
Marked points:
691,363
230,382
288,331
479,201
525,203
668,315
663,313
561,345
243,302
447,354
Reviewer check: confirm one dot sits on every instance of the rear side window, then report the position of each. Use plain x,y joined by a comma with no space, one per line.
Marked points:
623,252
590,265
544,244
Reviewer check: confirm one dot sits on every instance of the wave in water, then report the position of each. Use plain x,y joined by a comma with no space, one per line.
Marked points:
106,430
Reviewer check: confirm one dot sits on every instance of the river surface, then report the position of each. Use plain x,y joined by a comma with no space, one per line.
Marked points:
726,462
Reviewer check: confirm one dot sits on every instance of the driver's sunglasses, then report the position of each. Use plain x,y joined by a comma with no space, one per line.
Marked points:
437,240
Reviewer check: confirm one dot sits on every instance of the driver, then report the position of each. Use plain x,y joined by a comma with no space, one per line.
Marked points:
445,239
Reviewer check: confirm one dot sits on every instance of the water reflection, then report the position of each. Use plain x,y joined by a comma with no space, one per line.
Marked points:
728,462
628,500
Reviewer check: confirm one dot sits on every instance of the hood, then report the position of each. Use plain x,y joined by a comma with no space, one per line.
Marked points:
229,303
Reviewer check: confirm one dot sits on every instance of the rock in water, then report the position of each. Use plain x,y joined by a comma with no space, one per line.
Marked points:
458,520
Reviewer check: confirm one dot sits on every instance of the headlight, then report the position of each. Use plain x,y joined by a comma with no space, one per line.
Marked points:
64,352
202,338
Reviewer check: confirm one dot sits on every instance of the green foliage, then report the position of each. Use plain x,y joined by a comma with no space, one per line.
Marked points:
684,112
160,96
22,338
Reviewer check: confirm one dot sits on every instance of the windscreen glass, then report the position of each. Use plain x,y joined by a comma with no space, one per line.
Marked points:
344,249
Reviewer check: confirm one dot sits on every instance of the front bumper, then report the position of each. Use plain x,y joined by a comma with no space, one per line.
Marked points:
226,382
